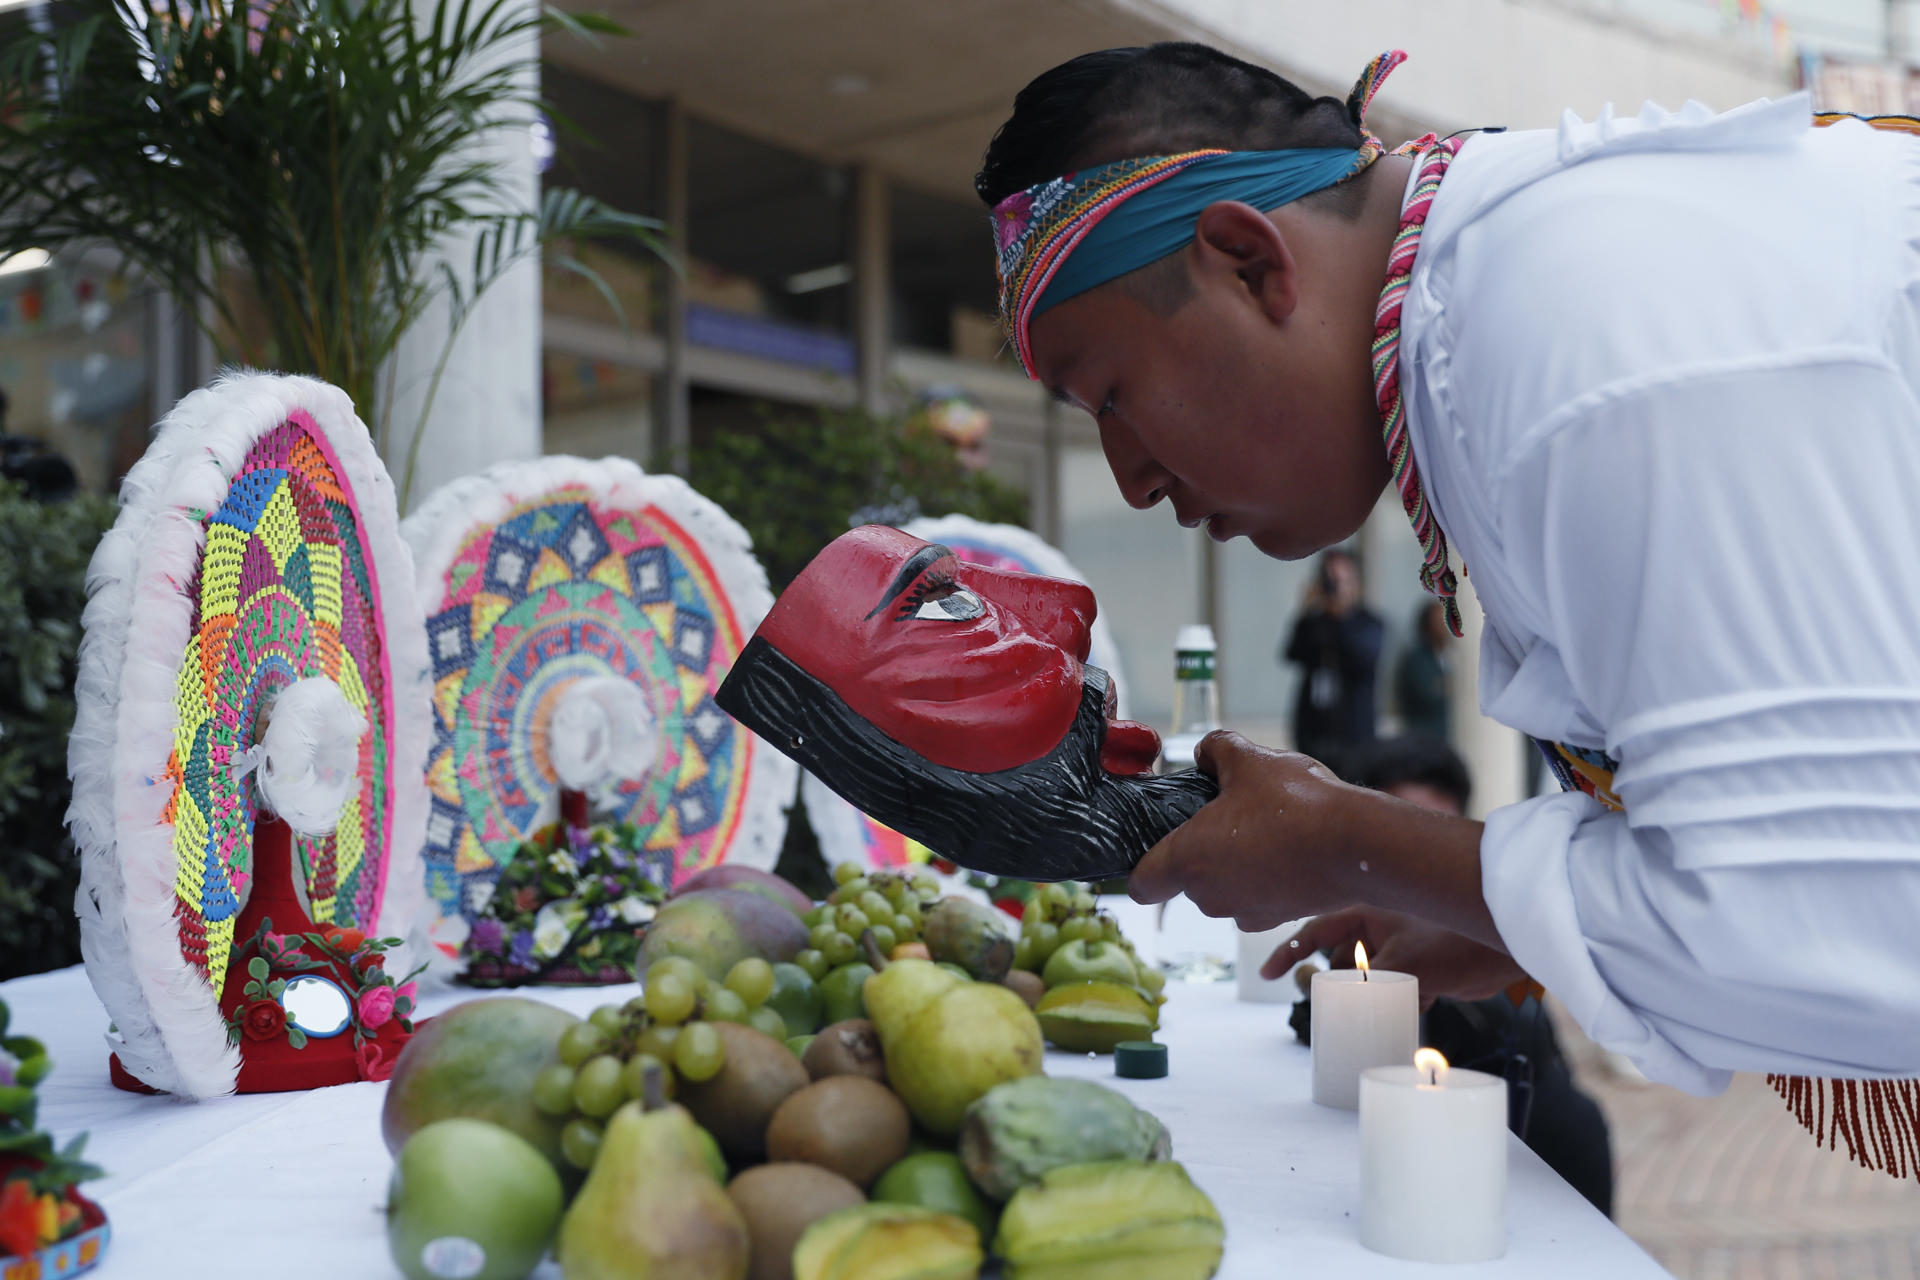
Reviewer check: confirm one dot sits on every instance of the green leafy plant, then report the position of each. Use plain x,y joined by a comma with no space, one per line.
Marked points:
800,479
321,151
44,549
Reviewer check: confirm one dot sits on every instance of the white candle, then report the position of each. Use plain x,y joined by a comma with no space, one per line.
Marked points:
1254,950
1360,1019
1433,1162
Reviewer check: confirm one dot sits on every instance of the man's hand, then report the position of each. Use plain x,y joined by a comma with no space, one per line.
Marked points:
1286,839
1446,963
1257,852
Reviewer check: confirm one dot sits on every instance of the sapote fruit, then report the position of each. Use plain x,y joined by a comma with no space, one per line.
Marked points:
478,1060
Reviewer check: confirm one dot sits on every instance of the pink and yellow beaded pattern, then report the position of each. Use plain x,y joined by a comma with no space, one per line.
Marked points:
285,590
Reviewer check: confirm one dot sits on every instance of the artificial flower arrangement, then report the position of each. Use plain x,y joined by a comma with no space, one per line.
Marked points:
47,1228
570,908
380,1005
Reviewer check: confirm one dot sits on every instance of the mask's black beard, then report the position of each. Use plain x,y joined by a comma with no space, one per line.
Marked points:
1062,817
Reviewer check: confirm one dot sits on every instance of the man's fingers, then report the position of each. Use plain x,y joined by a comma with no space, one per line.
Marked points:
1218,753
1158,876
1335,930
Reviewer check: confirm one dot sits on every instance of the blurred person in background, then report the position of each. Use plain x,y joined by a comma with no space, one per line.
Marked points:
1656,380
1336,644
1497,1033
1420,676
44,474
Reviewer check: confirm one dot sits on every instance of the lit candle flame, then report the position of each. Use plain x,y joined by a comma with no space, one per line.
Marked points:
1430,1063
1360,959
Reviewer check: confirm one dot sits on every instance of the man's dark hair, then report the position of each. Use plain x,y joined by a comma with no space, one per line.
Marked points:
1155,100
1413,757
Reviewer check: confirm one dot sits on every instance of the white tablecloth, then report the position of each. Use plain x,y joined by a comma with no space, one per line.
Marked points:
290,1185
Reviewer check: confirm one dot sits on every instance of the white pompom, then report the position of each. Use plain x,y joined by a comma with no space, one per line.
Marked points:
312,755
602,732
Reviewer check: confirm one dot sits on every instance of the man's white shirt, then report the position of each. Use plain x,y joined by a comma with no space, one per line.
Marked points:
1663,382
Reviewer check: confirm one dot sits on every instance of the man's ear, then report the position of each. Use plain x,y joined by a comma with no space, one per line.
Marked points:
1237,242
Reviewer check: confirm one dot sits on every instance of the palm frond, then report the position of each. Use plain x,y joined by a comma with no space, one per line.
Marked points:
328,151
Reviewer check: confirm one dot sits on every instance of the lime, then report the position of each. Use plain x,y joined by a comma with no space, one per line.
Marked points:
936,1180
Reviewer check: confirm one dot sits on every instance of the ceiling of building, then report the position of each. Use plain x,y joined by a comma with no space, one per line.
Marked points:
914,87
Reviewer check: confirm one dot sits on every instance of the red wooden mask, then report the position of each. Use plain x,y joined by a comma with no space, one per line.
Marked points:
951,702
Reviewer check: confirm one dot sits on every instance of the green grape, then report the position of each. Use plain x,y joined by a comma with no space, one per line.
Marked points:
597,1090
1023,952
1109,928
846,871
838,896
699,1053
850,920
817,916
768,1022
689,972
926,884
1077,929
580,1142
1083,902
814,962
885,938
724,1005
670,999
553,1090
581,1041
636,1007
609,1019
896,891
821,934
657,1041
1036,910
906,928
840,949
752,981
913,912
876,906
1046,941
633,1077
1055,895
857,886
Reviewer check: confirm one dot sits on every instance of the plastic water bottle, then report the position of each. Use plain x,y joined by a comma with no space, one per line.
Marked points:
1196,697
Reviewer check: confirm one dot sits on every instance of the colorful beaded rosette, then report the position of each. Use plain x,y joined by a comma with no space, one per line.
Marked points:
539,575
848,835
257,545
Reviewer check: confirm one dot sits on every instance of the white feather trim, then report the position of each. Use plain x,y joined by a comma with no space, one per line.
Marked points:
449,517
602,732
310,755
167,1026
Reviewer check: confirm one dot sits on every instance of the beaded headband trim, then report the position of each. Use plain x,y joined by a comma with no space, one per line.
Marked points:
1037,230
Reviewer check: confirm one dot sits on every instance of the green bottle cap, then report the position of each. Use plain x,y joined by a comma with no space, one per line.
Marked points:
1140,1060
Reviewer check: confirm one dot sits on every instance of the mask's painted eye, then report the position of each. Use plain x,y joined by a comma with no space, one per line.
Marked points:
958,605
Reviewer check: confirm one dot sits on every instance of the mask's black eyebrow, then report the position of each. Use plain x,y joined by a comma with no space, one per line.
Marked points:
917,563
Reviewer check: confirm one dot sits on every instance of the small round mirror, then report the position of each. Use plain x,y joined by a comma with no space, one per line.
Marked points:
316,1005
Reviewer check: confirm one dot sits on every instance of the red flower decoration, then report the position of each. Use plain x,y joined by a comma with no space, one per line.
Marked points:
375,1060
347,940
19,1220
1012,906
367,964
263,1020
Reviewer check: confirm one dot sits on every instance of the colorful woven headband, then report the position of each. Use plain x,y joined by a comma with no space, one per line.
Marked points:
1064,237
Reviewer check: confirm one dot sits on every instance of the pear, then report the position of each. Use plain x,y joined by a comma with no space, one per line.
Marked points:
650,1209
947,1041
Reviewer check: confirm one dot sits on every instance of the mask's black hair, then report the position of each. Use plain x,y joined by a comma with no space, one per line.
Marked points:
1154,100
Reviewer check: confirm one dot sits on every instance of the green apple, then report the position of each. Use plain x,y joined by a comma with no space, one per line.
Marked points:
1083,961
471,1199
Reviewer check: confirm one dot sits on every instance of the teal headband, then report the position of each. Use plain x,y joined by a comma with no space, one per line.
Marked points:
1159,220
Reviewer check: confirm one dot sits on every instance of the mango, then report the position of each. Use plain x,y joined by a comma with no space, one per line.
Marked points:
730,875
1114,1220
888,1242
960,931
718,928
1093,1017
1020,1130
